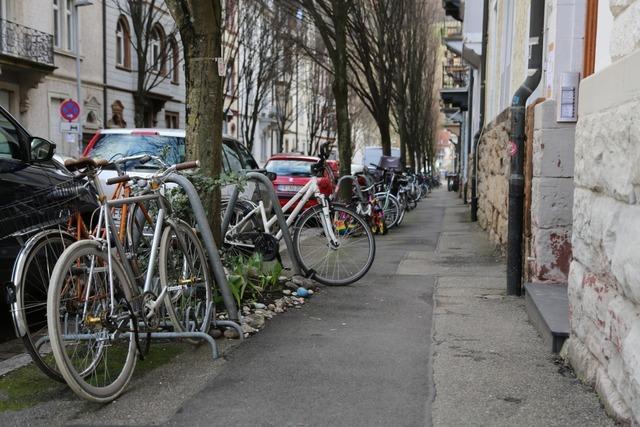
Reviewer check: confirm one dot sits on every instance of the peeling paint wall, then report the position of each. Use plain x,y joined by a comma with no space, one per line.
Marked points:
604,280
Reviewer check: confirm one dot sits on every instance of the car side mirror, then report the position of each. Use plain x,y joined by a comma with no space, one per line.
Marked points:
272,176
41,149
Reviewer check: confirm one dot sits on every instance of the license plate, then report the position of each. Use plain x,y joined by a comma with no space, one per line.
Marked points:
289,188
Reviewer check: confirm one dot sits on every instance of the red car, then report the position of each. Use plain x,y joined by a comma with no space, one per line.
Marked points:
293,172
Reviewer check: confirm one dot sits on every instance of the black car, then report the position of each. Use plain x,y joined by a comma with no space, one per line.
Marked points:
32,186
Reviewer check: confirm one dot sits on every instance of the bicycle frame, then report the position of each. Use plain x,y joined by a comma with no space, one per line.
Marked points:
299,200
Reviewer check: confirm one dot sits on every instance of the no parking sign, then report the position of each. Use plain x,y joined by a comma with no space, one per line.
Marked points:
70,110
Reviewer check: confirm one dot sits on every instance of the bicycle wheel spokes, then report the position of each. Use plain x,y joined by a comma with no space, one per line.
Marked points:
91,323
338,262
185,277
31,299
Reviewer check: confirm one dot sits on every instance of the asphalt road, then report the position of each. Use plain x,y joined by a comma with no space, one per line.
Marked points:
354,356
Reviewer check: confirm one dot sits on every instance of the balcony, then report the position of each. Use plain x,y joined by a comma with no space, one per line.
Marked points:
451,30
454,9
25,47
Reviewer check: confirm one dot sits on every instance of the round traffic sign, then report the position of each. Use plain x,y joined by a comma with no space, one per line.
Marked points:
70,110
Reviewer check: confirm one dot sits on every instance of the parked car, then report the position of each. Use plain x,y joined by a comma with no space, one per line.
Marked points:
335,168
27,171
168,144
293,172
372,155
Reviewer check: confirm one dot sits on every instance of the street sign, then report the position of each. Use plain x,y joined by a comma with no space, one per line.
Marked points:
69,127
69,110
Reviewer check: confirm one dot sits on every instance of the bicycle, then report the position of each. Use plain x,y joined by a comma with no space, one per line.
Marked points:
40,251
97,308
332,243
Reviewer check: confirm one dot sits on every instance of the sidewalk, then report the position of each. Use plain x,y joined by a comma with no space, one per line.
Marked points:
426,338
490,366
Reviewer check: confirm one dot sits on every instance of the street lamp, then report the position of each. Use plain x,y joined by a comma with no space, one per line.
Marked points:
77,4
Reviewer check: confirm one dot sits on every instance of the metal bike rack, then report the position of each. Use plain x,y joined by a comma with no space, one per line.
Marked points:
282,222
153,335
354,180
212,254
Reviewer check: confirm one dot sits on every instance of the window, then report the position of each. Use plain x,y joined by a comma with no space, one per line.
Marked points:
70,26
9,139
157,52
123,43
174,61
172,120
229,83
57,33
64,24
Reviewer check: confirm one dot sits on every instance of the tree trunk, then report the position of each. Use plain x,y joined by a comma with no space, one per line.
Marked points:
201,38
139,105
341,91
385,134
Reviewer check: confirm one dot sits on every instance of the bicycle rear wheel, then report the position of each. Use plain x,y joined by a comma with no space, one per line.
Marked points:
185,275
337,264
90,323
31,276
390,207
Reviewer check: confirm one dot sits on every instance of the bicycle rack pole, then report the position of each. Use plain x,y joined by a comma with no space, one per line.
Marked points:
229,212
282,222
354,180
210,245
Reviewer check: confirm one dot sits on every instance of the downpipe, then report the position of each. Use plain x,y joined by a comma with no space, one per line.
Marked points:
478,135
516,149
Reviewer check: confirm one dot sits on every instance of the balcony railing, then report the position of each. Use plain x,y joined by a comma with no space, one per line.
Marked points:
454,76
25,43
451,29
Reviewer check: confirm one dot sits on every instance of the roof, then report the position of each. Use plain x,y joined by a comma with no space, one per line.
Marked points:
293,156
164,132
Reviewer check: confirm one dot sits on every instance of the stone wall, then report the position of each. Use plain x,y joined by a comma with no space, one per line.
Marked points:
604,281
493,180
551,195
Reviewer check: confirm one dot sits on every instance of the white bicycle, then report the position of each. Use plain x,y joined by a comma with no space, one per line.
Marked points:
332,243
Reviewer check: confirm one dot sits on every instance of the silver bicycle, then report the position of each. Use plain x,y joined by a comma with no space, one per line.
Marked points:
99,309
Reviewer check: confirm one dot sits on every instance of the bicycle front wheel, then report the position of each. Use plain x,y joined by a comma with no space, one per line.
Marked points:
185,279
90,322
340,262
31,276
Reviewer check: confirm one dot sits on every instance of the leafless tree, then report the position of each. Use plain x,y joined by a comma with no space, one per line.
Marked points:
417,49
319,105
257,65
154,46
200,25
330,20
372,27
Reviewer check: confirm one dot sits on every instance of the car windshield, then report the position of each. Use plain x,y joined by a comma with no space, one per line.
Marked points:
112,146
290,167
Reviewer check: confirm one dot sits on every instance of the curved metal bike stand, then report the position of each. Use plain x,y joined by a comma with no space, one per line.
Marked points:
153,335
212,254
354,180
282,222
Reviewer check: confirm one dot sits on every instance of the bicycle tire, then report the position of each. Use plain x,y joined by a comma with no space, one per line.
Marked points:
346,223
111,356
392,211
185,301
31,283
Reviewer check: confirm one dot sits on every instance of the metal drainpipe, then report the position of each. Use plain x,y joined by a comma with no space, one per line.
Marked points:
516,179
105,119
483,73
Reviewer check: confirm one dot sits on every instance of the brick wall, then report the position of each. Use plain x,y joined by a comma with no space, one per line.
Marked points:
493,180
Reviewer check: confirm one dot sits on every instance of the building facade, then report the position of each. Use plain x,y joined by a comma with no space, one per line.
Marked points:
38,62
